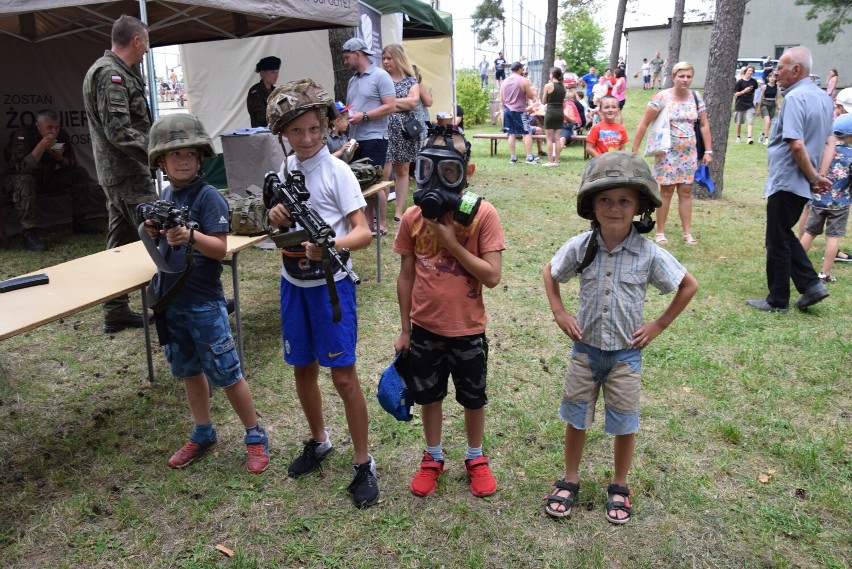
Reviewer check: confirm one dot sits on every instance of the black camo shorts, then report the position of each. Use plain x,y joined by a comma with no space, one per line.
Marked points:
434,357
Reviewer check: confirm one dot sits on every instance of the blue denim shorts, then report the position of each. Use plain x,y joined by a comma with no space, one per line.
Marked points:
513,123
618,372
308,329
200,341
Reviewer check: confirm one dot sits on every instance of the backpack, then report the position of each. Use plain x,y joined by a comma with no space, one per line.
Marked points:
248,213
366,173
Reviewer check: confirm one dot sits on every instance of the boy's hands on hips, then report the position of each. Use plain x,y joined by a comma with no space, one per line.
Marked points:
646,334
568,323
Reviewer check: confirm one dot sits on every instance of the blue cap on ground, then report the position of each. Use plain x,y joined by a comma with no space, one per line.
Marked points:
394,396
843,125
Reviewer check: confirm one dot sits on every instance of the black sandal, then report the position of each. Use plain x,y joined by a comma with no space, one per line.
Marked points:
614,489
566,501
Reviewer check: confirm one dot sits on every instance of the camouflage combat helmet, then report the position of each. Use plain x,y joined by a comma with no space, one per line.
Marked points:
617,170
176,131
293,99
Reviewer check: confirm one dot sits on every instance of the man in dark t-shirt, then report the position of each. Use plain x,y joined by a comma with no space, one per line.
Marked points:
744,106
499,69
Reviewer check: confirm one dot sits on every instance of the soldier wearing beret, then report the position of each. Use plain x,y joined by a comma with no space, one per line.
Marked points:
256,100
119,121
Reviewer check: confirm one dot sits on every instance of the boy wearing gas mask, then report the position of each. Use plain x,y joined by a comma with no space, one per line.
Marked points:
450,243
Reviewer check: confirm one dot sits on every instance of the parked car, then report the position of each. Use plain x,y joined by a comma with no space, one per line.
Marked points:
757,63
570,80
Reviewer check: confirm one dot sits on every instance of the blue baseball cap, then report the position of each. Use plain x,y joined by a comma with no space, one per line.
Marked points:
393,395
341,108
843,125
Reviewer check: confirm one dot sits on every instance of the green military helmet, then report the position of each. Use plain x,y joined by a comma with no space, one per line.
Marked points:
293,99
175,131
617,170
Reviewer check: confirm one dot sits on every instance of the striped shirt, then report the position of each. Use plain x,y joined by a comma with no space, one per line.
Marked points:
613,287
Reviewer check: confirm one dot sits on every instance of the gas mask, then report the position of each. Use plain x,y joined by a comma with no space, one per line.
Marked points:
441,175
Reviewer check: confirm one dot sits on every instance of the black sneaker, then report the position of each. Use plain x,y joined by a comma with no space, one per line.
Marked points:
32,241
364,488
309,461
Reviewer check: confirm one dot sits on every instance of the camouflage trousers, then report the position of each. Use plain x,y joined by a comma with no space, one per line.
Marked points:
25,188
122,200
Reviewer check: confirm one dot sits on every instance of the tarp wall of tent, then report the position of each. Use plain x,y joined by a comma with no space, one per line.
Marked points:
219,74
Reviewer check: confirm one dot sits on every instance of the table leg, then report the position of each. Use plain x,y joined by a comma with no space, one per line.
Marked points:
378,241
493,146
147,328
235,279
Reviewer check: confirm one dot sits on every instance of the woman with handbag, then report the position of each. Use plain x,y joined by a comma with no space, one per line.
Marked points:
404,126
675,167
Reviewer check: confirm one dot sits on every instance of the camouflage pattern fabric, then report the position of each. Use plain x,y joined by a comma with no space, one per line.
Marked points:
119,120
256,104
295,98
25,177
366,173
176,131
616,170
248,214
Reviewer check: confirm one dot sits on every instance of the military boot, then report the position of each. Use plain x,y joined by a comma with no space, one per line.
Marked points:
80,227
32,242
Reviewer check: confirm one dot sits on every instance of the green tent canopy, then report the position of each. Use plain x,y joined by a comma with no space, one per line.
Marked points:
419,19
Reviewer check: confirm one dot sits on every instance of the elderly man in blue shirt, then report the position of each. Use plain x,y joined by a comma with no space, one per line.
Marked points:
800,137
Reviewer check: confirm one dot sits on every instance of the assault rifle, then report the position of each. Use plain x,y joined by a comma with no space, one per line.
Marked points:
293,194
165,215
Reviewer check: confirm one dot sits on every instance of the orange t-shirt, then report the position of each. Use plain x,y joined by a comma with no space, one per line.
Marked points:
446,299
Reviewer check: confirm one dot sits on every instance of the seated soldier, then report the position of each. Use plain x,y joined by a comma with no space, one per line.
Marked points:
40,159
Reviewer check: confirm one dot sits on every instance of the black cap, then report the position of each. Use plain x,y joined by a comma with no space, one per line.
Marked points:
270,63
517,65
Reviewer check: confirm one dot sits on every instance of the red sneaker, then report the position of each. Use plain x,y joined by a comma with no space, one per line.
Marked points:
425,481
189,452
482,482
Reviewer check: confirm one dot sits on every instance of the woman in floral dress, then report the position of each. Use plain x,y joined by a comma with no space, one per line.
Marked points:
401,151
675,169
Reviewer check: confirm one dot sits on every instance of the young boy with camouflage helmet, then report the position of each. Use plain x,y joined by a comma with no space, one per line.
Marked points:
615,265
200,348
301,111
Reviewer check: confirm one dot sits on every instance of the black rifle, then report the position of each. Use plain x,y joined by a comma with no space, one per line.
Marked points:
294,195
165,215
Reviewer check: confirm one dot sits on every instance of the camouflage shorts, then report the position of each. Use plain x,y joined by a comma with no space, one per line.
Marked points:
434,357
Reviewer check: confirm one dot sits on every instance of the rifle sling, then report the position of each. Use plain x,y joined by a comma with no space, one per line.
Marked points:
159,304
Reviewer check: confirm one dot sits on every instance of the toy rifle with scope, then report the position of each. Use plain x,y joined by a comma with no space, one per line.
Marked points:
294,195
165,215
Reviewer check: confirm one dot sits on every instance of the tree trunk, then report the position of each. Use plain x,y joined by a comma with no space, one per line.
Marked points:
674,43
336,38
549,40
616,34
719,87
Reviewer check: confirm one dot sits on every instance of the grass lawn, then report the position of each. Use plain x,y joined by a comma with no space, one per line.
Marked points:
742,460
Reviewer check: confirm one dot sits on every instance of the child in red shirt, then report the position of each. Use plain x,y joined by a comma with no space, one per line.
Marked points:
607,135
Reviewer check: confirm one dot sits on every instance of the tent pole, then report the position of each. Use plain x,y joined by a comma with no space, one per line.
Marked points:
149,67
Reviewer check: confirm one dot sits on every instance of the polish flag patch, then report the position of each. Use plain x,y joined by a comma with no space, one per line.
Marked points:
116,79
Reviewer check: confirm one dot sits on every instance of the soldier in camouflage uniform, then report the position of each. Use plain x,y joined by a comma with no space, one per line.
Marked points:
119,121
258,93
35,164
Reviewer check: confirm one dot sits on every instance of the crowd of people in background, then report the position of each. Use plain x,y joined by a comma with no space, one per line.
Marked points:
445,258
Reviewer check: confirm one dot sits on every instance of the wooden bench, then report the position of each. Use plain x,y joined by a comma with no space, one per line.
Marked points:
496,137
